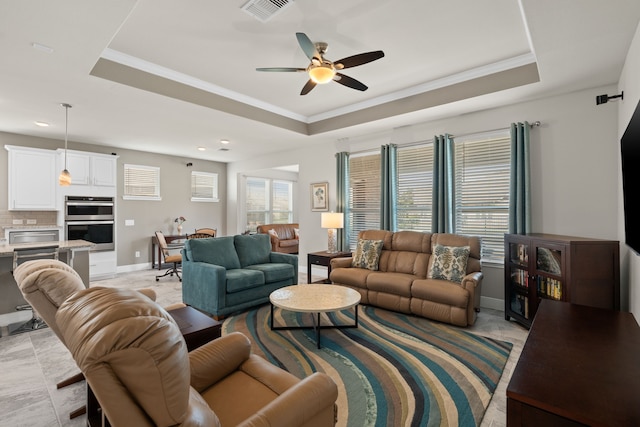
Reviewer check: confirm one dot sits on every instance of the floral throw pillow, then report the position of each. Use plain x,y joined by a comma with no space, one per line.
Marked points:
367,254
448,263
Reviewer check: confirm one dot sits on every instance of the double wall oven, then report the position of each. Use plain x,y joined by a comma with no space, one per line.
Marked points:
91,219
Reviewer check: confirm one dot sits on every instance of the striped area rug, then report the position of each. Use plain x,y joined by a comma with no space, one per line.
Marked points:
393,370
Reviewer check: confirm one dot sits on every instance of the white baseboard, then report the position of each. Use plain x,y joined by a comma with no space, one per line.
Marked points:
134,267
493,303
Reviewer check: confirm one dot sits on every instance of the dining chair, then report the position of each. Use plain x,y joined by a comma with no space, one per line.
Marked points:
210,231
168,257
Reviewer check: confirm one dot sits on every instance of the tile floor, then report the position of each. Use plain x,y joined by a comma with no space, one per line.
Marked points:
32,363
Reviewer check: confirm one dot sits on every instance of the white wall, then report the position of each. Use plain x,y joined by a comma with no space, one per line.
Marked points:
575,169
630,84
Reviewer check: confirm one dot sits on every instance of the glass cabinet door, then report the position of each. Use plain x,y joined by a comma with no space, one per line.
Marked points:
549,264
518,292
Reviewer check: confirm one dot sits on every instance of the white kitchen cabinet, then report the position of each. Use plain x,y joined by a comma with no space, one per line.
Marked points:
103,170
32,179
102,265
90,169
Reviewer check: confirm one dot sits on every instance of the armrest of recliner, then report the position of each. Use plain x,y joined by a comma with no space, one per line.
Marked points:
217,359
298,404
341,262
472,281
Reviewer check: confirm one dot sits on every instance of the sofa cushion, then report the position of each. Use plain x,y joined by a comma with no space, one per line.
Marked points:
367,254
273,232
252,248
274,272
218,251
448,263
243,279
288,243
440,292
391,283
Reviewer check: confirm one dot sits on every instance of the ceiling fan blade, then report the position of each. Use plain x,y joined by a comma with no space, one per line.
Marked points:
355,60
284,69
308,47
349,82
307,87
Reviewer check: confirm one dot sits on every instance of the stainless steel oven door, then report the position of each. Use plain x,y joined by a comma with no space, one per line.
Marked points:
89,208
101,233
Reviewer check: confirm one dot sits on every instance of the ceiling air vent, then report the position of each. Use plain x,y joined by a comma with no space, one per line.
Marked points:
263,10
223,149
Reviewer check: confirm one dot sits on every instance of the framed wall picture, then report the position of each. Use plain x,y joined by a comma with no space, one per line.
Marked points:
320,196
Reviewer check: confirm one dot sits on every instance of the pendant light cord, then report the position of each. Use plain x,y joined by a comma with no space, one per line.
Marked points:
66,132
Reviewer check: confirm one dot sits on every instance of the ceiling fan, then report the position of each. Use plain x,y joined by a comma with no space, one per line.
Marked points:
321,70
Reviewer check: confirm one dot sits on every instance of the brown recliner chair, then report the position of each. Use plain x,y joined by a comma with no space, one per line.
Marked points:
45,285
136,361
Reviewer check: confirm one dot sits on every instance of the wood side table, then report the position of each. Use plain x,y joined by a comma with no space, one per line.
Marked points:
323,259
196,327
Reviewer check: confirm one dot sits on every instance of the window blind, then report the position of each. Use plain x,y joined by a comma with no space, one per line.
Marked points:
415,187
204,187
482,171
364,195
141,182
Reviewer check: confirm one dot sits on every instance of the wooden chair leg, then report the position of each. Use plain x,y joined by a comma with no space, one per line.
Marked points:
80,411
71,380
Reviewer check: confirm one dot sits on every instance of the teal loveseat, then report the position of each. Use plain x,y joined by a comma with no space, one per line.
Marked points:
223,275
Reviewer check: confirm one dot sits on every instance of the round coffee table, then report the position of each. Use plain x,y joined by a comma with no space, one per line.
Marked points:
315,298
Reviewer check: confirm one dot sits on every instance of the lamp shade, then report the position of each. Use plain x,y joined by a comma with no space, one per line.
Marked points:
332,220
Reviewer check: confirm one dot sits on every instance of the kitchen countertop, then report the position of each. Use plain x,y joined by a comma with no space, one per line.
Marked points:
64,245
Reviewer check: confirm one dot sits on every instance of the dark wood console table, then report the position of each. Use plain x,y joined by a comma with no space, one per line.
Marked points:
579,366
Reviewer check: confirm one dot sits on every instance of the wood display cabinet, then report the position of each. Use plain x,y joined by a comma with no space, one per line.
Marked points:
563,268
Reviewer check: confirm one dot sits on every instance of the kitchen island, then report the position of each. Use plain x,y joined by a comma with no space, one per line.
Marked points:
73,252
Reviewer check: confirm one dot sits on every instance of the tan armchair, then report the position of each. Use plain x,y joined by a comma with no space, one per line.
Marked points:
136,361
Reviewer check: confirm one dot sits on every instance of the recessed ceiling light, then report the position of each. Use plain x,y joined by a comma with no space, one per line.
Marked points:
41,124
42,47
201,149
224,141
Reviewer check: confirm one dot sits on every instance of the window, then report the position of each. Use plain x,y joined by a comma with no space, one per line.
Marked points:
415,187
204,187
268,201
482,173
364,195
141,182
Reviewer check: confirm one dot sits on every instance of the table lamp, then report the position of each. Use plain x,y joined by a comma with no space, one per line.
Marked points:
332,221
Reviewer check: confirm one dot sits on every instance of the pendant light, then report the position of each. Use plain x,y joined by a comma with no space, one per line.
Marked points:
65,177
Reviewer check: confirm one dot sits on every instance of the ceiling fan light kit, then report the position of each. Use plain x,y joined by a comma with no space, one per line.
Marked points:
321,74
322,71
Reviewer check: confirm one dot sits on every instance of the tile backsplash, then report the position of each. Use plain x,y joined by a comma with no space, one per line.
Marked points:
40,217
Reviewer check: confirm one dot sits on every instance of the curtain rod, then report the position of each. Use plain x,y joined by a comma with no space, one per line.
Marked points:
537,123
531,126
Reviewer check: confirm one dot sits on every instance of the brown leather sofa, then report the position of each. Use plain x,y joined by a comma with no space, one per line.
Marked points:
400,283
136,361
285,240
